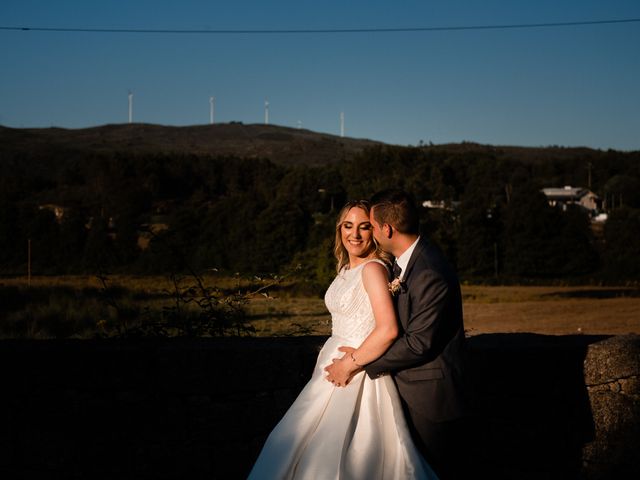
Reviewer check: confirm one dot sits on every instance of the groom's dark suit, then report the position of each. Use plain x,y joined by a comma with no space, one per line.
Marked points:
426,359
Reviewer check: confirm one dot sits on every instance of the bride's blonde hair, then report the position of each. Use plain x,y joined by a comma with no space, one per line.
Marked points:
339,250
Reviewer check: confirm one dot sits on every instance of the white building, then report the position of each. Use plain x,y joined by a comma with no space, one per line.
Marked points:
569,195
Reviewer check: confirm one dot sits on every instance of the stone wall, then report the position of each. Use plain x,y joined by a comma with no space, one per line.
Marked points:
545,407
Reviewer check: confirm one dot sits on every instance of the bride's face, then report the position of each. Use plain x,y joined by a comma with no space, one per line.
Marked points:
356,233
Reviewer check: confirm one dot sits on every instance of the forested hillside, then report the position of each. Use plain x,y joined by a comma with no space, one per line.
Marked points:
281,145
156,204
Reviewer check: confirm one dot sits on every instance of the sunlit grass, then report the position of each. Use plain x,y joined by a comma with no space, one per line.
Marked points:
75,306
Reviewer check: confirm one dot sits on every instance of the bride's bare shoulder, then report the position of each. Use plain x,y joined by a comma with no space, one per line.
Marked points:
375,268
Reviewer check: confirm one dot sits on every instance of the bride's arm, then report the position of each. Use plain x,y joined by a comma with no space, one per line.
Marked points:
374,279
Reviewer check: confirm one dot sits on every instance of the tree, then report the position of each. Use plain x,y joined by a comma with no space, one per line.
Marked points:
622,248
227,237
577,243
73,237
622,190
43,231
531,231
98,253
481,219
12,238
545,241
281,232
479,237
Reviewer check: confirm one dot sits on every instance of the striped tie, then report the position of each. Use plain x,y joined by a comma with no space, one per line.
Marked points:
396,269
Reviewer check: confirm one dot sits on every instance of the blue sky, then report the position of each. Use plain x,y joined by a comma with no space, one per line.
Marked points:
569,86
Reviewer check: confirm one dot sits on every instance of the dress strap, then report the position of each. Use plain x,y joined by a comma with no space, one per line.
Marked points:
377,260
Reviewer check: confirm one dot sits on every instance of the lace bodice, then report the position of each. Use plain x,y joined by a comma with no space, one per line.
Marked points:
349,305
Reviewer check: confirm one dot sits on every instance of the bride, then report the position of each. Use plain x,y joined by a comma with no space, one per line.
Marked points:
357,430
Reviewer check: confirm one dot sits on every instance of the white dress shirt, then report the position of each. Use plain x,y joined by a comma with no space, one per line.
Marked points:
403,259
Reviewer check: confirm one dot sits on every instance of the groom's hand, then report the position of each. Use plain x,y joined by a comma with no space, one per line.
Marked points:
342,369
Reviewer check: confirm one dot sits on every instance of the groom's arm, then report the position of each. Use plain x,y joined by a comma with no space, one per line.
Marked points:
429,293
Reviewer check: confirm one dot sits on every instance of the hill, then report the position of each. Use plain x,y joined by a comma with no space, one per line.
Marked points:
520,153
282,145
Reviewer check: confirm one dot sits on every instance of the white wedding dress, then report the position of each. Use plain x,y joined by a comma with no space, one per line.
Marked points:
355,432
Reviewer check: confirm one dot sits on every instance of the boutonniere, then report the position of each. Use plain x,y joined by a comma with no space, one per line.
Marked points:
396,286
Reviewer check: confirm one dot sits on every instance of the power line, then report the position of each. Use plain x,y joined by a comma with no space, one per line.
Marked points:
322,30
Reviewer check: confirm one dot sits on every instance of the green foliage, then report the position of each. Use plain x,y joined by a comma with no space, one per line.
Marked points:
11,237
256,216
543,241
98,252
531,230
623,190
73,238
316,268
622,255
52,312
195,310
43,232
479,239
281,231
577,242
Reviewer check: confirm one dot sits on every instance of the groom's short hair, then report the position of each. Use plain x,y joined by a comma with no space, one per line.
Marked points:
396,208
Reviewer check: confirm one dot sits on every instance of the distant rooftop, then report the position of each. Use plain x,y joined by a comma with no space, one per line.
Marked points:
572,195
566,193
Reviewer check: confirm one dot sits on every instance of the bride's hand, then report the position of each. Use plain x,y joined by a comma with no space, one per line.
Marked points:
347,351
342,369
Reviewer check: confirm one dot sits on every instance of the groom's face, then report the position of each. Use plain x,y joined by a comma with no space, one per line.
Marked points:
377,229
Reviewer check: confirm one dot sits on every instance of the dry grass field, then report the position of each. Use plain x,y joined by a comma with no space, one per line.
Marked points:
487,309
552,310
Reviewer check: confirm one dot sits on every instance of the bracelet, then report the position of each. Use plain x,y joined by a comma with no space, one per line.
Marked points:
354,360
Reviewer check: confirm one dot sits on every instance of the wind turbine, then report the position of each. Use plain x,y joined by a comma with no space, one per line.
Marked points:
266,112
212,102
130,106
342,124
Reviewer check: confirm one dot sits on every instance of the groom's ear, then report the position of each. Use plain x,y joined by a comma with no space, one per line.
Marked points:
388,230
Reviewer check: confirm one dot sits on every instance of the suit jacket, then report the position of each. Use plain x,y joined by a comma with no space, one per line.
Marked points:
427,358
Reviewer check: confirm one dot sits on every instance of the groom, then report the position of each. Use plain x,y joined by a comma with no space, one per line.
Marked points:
426,359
